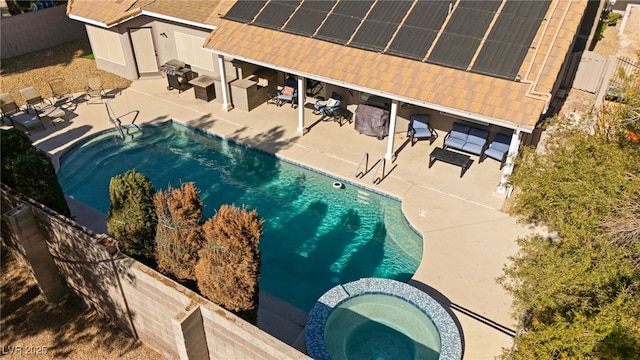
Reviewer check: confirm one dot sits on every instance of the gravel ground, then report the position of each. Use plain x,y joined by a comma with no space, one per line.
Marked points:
65,61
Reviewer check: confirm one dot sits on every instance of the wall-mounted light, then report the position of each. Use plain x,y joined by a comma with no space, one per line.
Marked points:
164,35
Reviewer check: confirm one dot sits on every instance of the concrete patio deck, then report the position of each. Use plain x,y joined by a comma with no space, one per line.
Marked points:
467,238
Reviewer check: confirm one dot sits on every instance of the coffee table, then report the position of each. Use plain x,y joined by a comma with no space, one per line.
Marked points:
450,157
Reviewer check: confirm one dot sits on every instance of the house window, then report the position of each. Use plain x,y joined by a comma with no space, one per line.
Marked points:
106,45
190,51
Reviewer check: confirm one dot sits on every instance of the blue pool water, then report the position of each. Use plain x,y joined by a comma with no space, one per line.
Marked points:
315,236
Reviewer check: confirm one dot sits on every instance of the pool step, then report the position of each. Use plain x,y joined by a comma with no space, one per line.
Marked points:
362,197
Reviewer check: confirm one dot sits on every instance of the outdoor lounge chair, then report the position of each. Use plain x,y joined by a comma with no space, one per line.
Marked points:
328,107
60,90
498,149
20,119
289,94
94,87
43,107
419,129
8,106
31,96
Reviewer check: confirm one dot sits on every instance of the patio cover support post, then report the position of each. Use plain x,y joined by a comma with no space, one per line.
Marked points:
226,102
392,129
508,166
301,93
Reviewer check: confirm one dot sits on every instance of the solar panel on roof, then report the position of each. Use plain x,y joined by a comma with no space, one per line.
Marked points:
428,15
389,11
373,35
380,25
343,21
500,59
510,37
357,9
454,51
530,8
308,18
469,22
244,10
484,5
419,29
464,31
412,42
338,28
413,26
514,29
276,13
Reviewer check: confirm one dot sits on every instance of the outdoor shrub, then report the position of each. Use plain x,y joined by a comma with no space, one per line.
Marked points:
229,265
14,143
132,217
179,231
30,172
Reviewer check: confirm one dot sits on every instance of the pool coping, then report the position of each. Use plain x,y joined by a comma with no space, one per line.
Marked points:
450,339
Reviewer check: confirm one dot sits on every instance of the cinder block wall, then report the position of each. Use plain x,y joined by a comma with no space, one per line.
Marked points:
167,317
42,29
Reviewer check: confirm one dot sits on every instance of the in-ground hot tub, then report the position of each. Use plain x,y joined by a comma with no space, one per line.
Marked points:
380,319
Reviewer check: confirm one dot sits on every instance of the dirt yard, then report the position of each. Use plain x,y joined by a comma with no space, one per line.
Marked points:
71,62
70,330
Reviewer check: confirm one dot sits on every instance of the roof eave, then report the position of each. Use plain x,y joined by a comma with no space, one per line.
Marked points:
445,109
178,20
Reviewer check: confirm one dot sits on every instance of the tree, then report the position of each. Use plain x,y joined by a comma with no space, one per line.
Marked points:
179,233
30,172
132,218
229,265
577,295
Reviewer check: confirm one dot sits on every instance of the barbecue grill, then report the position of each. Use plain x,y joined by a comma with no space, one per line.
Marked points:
178,74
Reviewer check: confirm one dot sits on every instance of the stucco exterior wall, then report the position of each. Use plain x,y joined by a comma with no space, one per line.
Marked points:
33,31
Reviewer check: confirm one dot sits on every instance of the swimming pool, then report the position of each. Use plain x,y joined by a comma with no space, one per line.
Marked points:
315,235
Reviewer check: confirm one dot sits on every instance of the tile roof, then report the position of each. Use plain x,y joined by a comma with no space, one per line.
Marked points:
104,11
514,104
202,12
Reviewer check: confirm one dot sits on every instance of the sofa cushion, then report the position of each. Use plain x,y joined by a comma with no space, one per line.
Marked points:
453,142
495,154
499,147
459,131
478,136
472,148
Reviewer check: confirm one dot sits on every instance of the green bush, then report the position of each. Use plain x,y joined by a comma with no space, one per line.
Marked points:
132,218
30,172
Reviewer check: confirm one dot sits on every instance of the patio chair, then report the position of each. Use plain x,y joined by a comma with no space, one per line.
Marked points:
498,149
8,106
328,107
419,129
289,94
60,90
43,107
31,96
94,87
20,119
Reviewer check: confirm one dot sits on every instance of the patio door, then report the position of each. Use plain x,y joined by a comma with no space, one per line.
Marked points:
144,51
